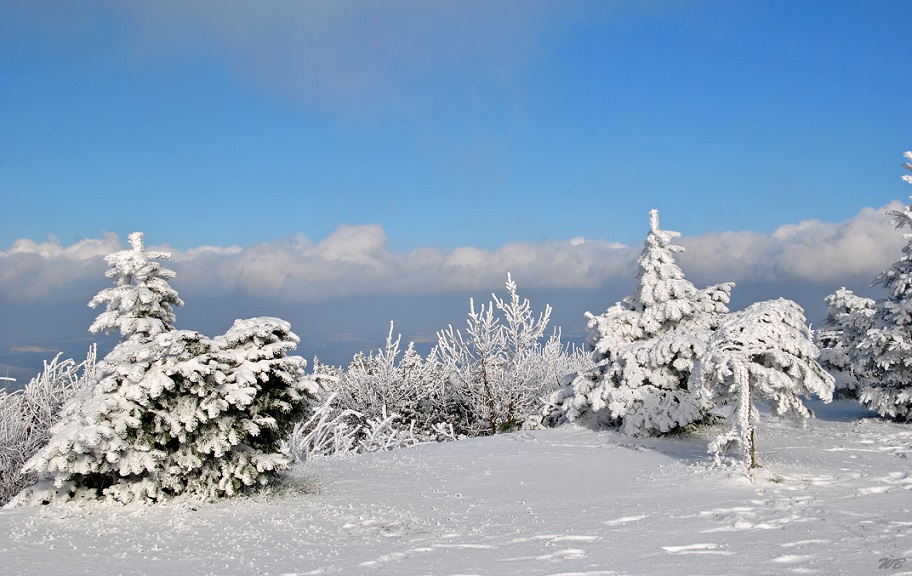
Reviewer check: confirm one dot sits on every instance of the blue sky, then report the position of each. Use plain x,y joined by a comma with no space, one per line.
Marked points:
374,149
448,123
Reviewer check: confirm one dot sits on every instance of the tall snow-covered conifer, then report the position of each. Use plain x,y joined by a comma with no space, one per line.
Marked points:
645,347
884,354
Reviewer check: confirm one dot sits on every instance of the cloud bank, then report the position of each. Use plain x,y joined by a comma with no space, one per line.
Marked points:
341,292
808,252
356,261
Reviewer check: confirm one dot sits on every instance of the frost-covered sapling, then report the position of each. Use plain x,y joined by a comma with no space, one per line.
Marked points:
501,366
645,348
763,354
172,411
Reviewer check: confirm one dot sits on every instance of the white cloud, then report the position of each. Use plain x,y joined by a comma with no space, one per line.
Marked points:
50,250
46,270
356,260
352,283
810,251
355,245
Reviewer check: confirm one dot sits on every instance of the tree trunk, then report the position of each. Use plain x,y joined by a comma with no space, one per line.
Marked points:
753,454
750,421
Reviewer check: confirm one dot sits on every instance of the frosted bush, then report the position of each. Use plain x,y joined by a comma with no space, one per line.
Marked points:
401,382
503,368
27,415
331,431
489,380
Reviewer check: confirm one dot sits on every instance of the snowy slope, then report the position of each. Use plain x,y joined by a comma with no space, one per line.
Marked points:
831,499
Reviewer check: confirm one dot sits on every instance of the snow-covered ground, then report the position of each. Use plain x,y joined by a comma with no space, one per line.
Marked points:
830,499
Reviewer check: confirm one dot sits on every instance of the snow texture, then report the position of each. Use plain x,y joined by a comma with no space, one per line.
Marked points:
832,498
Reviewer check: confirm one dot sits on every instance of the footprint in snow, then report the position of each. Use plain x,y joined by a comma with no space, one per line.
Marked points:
709,548
556,538
767,515
793,559
623,520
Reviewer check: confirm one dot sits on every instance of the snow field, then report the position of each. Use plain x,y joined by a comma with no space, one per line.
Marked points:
830,499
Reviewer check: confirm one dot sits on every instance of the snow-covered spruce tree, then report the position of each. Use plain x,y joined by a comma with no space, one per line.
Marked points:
761,354
172,411
501,367
26,416
645,348
884,354
848,319
232,419
876,338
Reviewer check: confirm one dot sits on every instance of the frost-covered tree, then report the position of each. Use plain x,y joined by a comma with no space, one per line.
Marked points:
885,352
848,319
180,414
172,411
393,398
878,338
503,366
27,415
763,354
403,385
141,303
645,348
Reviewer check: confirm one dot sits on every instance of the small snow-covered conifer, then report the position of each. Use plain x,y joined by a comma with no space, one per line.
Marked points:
761,354
848,319
172,411
645,347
